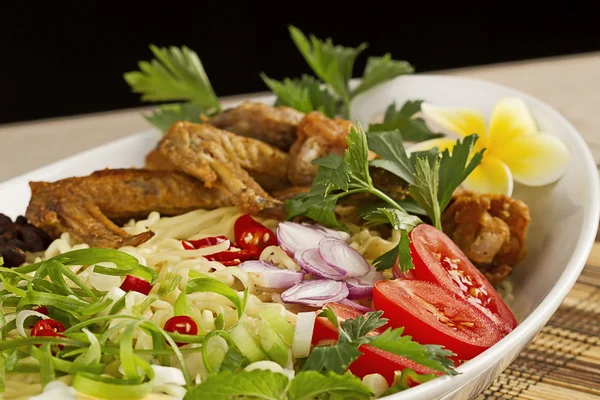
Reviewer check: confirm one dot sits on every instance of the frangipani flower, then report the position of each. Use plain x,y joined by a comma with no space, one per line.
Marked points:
515,149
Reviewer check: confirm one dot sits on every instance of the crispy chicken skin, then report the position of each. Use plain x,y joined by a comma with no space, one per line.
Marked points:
216,156
273,125
318,136
156,161
87,206
490,229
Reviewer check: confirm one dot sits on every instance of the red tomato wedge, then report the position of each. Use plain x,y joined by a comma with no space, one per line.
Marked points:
373,360
432,314
439,260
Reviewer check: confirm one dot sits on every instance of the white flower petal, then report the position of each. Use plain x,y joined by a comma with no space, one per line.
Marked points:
491,176
510,119
536,159
460,121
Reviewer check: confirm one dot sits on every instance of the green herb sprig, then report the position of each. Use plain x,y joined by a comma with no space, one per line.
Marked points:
354,332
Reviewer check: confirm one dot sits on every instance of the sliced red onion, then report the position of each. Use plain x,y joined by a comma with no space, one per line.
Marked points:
294,237
342,257
359,307
269,276
310,261
345,236
357,289
362,286
315,293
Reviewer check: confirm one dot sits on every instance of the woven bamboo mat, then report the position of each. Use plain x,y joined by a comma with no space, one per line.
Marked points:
563,361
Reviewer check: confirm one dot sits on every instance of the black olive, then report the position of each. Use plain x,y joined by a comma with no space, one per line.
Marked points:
12,255
31,238
4,220
21,220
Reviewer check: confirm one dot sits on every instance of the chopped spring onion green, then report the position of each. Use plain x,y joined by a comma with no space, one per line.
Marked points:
245,342
272,344
279,324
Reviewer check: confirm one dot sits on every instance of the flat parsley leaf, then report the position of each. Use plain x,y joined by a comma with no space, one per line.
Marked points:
332,358
310,385
356,156
381,69
332,63
432,356
455,167
335,173
425,189
175,74
304,94
400,253
399,219
226,385
390,147
167,114
355,330
315,206
413,129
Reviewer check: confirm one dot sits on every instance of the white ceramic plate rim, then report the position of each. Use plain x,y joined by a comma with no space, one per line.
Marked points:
537,318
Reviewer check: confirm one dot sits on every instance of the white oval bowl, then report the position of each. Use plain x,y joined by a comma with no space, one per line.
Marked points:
565,215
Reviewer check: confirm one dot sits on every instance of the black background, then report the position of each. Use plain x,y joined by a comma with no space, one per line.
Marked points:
61,59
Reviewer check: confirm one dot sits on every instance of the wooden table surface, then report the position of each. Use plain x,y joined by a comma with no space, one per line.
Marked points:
563,362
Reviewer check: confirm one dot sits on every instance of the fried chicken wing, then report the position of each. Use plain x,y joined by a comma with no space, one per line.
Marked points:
69,209
318,136
273,125
217,156
87,206
490,229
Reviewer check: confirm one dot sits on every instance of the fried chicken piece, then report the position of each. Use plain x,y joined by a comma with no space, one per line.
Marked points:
156,161
318,136
69,209
214,155
273,125
87,206
490,229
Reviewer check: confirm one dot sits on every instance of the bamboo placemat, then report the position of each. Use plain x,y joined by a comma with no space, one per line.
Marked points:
563,361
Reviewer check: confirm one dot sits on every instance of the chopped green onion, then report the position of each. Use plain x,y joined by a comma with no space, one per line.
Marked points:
182,305
68,367
215,358
47,373
101,386
93,354
54,300
280,325
126,351
16,343
246,344
272,344
126,263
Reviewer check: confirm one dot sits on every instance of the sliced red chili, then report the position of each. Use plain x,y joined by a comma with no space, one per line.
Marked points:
136,284
181,324
40,309
234,257
252,235
204,242
47,327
